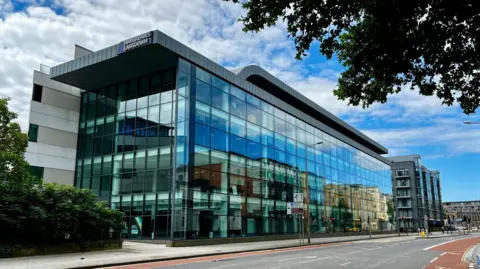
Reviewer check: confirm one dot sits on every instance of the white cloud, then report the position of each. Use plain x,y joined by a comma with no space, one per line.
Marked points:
449,136
40,36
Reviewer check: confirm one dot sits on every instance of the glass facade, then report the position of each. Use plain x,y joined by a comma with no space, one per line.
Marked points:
229,161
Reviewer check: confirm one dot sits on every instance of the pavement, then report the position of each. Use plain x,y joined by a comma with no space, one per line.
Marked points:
142,253
395,253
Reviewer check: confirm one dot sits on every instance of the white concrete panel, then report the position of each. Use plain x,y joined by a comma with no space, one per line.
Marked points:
49,161
60,99
53,122
44,80
58,176
57,112
57,137
49,150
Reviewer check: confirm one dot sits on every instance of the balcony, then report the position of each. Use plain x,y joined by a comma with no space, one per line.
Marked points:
404,205
402,173
403,194
404,184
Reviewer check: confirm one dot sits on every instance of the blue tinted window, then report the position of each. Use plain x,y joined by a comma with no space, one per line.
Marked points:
291,130
219,140
267,138
279,113
280,142
203,75
280,156
267,121
333,162
238,108
254,132
280,126
328,172
292,160
267,107
326,159
310,139
202,135
340,165
238,93
238,145
254,100
301,150
220,100
203,92
310,154
238,126
291,148
318,156
311,167
254,150
254,115
302,164
301,136
321,170
268,153
202,113
220,119
220,84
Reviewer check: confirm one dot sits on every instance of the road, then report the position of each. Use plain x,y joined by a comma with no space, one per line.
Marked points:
380,253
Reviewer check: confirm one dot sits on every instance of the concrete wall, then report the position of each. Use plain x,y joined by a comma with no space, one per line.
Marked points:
57,117
58,176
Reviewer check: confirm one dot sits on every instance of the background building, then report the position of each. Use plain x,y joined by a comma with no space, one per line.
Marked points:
456,211
188,149
416,192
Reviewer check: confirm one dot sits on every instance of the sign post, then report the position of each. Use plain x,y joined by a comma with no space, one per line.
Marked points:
425,219
296,208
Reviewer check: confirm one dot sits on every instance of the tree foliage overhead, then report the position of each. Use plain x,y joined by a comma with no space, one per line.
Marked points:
386,44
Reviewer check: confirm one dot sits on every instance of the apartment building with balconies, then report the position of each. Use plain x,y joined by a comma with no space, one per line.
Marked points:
416,192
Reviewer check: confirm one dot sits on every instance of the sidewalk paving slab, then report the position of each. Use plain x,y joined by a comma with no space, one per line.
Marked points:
135,252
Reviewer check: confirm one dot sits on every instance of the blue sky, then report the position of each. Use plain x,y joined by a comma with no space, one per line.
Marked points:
34,32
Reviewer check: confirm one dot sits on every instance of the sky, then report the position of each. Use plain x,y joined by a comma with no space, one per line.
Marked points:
34,32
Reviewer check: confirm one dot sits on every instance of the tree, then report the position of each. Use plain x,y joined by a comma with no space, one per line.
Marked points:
386,45
13,144
15,180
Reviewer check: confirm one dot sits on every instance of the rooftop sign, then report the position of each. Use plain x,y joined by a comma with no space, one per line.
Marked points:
135,42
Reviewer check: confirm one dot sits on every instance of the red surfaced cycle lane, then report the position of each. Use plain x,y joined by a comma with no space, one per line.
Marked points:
452,254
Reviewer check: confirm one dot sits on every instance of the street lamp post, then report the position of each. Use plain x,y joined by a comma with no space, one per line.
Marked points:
308,205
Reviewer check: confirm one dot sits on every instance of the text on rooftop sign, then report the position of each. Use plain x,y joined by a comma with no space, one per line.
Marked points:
136,42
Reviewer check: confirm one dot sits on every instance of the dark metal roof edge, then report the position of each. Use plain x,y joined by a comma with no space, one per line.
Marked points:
249,70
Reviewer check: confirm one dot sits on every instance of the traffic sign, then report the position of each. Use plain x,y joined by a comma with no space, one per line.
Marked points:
298,197
297,211
297,205
425,218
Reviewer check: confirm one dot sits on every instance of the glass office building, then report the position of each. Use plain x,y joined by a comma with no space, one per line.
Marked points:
189,150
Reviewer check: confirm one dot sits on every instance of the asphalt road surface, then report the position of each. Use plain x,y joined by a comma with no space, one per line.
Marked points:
380,253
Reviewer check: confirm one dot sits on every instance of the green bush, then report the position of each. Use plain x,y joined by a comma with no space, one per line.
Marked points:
48,213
